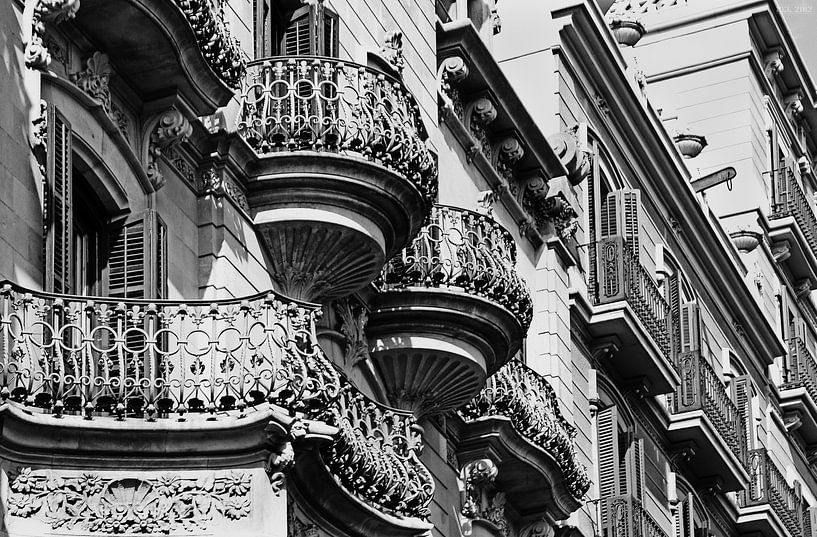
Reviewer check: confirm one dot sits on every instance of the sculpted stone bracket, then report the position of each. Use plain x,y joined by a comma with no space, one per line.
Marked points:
36,15
543,208
479,499
94,80
353,318
168,129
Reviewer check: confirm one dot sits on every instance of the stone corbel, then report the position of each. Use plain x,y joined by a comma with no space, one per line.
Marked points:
453,70
793,103
781,251
792,421
576,160
506,154
684,451
539,528
804,165
773,63
353,318
168,129
36,15
478,114
392,50
475,483
802,288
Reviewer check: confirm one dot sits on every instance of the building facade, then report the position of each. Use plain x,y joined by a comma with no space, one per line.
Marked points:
420,268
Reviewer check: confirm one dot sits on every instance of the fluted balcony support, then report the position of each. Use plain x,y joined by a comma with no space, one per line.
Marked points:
342,178
451,310
768,489
122,358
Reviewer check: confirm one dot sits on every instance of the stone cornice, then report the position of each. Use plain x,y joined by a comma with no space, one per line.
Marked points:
652,154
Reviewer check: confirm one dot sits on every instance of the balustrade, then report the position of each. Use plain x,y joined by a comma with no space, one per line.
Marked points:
375,457
153,359
329,105
620,276
768,486
519,393
628,518
701,389
801,370
463,251
790,200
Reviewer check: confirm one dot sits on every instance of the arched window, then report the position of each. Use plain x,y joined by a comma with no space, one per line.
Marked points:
691,519
290,28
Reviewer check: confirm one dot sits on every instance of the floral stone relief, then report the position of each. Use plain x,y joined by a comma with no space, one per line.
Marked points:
97,504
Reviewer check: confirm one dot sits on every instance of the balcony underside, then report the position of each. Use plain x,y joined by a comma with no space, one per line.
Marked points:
330,221
335,507
637,358
760,521
802,261
797,403
529,476
712,461
432,348
152,46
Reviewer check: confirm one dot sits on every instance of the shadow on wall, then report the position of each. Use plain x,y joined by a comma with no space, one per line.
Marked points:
20,220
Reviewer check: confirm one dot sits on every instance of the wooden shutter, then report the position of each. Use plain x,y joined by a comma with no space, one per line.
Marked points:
634,485
608,456
59,236
684,517
127,259
298,37
160,247
262,24
690,327
742,395
620,215
810,521
328,22
672,293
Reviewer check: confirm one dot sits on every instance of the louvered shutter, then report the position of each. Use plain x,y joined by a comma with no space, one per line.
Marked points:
742,394
160,247
672,293
684,517
690,326
620,215
330,33
810,522
297,39
608,456
59,236
634,485
127,259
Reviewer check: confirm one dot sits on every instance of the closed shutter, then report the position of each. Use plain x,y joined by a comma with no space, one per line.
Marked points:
672,293
59,235
608,456
810,522
160,247
635,470
742,394
620,215
690,326
330,34
127,259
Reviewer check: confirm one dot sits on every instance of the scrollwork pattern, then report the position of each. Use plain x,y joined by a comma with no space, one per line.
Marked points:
521,394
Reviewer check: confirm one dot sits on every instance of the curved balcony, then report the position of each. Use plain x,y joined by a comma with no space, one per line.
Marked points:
109,363
703,416
342,178
370,479
451,311
515,420
167,47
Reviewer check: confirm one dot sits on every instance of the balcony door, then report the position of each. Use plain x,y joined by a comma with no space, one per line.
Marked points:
289,28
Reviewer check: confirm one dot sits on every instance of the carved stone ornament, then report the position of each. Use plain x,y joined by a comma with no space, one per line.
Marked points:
171,129
353,318
575,160
773,63
95,504
39,131
496,20
540,528
214,183
278,465
392,50
794,104
95,79
45,11
480,500
453,70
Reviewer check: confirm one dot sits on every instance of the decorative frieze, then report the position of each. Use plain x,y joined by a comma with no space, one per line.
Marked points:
170,129
95,504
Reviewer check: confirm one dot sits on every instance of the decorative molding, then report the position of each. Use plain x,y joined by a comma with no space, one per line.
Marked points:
171,129
353,318
392,50
37,55
279,463
214,182
96,504
479,500
539,528
793,104
773,63
568,146
95,80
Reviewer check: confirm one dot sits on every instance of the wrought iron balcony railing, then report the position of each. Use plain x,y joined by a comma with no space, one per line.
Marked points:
221,50
464,251
768,486
620,276
521,394
701,389
325,104
628,518
375,458
137,358
790,200
801,368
